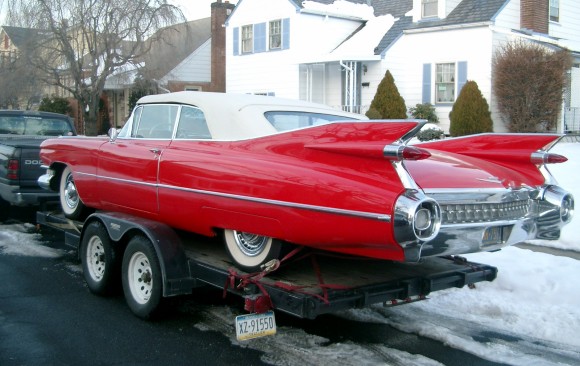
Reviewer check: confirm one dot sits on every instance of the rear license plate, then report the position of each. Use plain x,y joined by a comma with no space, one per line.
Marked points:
495,235
255,325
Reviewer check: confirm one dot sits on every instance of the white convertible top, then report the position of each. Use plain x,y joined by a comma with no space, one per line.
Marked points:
233,116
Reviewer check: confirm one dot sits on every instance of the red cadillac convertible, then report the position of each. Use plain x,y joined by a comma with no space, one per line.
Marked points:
266,173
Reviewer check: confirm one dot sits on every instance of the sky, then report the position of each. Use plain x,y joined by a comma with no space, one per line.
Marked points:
192,9
529,315
196,9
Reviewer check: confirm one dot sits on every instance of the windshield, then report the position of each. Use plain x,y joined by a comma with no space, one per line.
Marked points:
34,125
286,120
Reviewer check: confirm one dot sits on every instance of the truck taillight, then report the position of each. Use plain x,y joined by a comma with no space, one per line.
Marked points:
13,169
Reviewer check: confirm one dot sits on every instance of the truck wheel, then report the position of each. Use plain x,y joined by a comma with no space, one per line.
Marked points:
70,201
250,251
141,275
99,260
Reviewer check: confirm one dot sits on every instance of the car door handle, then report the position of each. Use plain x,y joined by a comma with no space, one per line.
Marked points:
155,151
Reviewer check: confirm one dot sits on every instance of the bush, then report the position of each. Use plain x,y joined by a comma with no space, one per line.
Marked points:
387,101
430,133
373,114
528,82
470,113
56,105
424,111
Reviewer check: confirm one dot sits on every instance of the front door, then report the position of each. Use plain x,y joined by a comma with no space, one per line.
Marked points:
129,166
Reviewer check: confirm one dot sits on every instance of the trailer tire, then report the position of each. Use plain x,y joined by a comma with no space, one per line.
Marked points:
100,260
142,281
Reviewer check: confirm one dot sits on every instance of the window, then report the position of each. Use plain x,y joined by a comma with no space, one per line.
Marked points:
285,120
192,124
445,83
28,125
275,34
261,37
156,121
247,39
428,8
555,10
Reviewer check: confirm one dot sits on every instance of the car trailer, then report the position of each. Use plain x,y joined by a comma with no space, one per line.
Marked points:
155,261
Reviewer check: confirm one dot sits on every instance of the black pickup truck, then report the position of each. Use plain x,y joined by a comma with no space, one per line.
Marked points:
21,133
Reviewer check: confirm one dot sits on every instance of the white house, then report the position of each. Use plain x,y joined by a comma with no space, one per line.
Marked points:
338,52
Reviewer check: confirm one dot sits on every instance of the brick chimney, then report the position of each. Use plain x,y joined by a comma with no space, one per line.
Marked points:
534,15
219,13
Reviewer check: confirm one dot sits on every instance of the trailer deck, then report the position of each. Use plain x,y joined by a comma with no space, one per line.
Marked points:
310,283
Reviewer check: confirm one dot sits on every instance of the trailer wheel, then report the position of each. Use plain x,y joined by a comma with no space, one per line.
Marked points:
99,260
250,251
141,275
70,201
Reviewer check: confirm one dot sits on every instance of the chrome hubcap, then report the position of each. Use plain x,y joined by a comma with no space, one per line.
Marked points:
250,244
71,196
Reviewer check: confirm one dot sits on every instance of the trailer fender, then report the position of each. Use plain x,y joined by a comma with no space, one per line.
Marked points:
167,244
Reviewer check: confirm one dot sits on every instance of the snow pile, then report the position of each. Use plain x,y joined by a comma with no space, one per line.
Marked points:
20,239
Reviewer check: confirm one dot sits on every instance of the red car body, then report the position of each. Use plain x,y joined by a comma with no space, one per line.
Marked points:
350,187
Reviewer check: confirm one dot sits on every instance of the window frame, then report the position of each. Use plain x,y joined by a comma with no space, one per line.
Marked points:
272,36
445,77
424,4
247,38
554,10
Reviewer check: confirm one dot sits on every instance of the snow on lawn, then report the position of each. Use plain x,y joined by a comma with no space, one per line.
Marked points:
536,296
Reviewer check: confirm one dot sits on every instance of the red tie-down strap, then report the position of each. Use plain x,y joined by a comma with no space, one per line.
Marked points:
263,302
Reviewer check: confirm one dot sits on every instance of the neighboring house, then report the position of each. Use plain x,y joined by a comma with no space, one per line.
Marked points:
337,52
191,57
14,40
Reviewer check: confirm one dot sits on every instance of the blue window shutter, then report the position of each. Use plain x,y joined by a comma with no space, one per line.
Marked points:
461,76
426,83
260,37
236,41
285,33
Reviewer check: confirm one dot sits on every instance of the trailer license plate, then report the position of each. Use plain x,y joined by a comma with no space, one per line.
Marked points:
255,325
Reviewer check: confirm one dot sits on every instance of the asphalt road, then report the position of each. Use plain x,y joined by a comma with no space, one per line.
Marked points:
48,317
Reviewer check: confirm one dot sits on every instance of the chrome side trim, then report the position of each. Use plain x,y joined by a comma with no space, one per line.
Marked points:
338,211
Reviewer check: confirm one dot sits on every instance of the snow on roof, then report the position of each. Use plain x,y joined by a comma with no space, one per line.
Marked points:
360,46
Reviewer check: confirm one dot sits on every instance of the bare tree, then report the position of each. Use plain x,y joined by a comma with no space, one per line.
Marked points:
529,80
85,41
16,86
19,86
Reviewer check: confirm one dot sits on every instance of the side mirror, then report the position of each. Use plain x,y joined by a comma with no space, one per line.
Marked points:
112,134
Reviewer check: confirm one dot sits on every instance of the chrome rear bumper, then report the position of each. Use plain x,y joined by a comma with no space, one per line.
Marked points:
490,220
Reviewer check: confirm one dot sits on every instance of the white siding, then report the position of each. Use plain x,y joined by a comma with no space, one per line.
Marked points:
450,5
405,63
196,67
568,27
311,37
508,17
